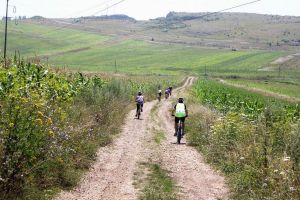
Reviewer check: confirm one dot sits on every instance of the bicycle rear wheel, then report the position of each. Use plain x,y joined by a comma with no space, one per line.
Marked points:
179,133
139,112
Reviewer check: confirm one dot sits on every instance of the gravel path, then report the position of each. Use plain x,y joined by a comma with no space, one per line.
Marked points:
111,176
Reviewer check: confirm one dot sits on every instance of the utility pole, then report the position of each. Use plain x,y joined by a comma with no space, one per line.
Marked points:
116,70
5,38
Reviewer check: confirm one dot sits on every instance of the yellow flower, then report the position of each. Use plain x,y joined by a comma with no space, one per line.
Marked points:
40,114
60,160
49,121
24,100
51,133
39,121
11,125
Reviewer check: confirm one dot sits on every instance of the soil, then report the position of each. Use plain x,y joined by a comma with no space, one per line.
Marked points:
111,176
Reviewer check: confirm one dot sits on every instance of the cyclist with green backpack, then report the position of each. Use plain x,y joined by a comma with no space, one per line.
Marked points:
180,112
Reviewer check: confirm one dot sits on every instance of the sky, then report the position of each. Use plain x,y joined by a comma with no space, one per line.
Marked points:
142,9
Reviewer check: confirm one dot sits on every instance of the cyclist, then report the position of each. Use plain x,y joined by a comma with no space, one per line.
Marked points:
139,99
170,90
181,112
159,93
167,93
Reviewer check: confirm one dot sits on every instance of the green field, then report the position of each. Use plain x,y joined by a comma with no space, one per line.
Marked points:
89,51
291,89
38,40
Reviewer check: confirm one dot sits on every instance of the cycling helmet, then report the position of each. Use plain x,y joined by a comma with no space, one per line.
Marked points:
180,100
140,93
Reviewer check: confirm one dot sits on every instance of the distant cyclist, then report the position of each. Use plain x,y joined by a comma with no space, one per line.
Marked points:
139,99
167,93
170,90
159,93
181,112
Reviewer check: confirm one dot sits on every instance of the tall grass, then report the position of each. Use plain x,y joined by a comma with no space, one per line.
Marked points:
257,147
51,126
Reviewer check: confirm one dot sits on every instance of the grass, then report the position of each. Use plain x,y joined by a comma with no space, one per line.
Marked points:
159,136
82,50
41,40
291,89
257,152
140,57
155,183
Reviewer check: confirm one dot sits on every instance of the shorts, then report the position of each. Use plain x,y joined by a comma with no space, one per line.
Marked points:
177,119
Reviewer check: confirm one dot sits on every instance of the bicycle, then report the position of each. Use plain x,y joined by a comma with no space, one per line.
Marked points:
179,131
159,97
139,110
166,95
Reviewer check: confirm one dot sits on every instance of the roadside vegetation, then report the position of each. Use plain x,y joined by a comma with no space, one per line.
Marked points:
52,123
155,183
253,139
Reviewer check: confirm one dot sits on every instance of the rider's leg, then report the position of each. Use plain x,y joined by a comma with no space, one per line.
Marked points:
137,108
142,107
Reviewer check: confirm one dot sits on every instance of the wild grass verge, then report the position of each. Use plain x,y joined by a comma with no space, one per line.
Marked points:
253,142
155,183
51,126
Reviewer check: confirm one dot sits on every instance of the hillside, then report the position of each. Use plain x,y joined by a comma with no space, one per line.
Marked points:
223,30
225,44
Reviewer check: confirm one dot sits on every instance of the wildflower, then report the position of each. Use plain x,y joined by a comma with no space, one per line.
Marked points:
264,184
24,100
39,121
49,121
292,189
51,133
282,173
60,160
11,125
40,114
276,170
286,159
242,158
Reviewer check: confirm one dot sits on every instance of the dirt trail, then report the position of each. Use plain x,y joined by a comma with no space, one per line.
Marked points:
197,179
111,176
